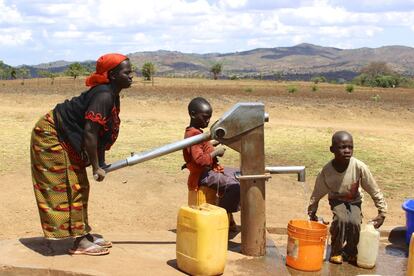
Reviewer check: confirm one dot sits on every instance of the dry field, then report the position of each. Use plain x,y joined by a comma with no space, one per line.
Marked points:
147,196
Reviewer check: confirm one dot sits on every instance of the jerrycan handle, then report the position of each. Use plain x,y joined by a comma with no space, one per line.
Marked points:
370,226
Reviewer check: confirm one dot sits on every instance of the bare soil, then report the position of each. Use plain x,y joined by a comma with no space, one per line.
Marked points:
146,197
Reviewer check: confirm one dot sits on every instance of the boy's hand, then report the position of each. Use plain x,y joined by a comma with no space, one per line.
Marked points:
313,216
378,220
219,151
215,143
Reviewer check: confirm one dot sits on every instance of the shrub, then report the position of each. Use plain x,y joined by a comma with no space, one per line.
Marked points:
248,90
292,89
315,88
318,79
349,88
234,77
376,98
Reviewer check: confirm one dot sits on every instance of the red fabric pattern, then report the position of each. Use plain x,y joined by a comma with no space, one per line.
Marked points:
103,65
97,118
115,127
73,155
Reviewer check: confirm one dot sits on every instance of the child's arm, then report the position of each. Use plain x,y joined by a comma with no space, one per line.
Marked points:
369,184
214,143
219,151
319,191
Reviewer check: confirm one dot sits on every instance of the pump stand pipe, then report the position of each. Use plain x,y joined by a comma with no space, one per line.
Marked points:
299,170
136,158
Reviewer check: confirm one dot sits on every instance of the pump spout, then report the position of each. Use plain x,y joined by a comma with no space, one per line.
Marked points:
299,170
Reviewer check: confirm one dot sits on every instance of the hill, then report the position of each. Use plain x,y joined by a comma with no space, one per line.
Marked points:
298,62
302,62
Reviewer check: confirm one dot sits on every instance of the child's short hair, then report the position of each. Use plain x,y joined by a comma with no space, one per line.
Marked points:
338,134
194,105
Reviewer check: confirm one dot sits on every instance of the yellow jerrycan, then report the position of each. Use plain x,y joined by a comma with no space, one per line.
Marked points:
202,236
368,246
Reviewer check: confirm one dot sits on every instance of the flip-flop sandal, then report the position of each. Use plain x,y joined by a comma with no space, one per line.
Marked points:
103,243
91,251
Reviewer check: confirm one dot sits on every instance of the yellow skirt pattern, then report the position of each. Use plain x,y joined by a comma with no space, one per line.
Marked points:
61,186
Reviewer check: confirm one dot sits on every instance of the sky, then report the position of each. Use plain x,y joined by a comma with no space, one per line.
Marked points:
41,31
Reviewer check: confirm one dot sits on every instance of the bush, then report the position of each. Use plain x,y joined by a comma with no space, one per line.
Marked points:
248,90
292,89
315,88
318,79
349,88
234,77
376,98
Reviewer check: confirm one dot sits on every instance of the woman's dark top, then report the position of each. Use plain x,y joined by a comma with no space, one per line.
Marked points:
98,105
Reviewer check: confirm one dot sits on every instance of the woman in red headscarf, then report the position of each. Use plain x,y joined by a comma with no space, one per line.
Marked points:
72,136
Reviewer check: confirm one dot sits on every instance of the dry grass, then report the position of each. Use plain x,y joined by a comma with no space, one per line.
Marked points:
298,133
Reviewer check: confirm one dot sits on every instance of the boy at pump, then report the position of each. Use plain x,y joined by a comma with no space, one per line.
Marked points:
201,160
342,179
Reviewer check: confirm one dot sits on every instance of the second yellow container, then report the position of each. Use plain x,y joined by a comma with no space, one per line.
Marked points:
202,235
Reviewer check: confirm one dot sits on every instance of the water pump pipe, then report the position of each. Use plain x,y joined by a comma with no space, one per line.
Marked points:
299,170
136,158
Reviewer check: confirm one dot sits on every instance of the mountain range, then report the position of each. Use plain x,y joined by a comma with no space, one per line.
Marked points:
302,61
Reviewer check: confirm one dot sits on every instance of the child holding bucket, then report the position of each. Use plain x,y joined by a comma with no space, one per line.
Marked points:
201,160
341,178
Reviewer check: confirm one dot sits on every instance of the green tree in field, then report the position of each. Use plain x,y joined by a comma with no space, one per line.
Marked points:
23,73
43,73
75,70
318,79
377,68
379,74
47,74
13,73
216,70
148,71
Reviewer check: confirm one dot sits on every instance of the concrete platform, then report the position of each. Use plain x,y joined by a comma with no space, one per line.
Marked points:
144,253
153,253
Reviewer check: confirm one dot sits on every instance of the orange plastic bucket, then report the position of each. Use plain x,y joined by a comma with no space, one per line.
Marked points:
306,244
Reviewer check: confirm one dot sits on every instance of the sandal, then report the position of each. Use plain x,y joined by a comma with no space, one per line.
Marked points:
93,250
102,243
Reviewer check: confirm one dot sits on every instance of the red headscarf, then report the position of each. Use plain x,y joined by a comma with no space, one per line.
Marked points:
104,64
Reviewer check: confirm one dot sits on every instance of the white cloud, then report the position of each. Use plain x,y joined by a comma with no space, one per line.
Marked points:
14,37
140,38
88,27
9,14
233,4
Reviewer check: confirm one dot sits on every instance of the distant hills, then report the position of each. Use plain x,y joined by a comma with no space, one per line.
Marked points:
302,61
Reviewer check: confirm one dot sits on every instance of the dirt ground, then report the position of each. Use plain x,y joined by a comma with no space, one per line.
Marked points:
147,196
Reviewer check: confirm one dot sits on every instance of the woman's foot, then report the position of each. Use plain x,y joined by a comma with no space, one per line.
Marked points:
99,240
83,246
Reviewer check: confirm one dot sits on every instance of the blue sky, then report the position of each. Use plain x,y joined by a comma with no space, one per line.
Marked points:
39,31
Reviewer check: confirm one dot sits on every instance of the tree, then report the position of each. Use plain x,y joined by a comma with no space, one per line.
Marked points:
378,74
43,73
377,68
148,71
47,74
318,79
75,70
13,74
216,70
23,73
